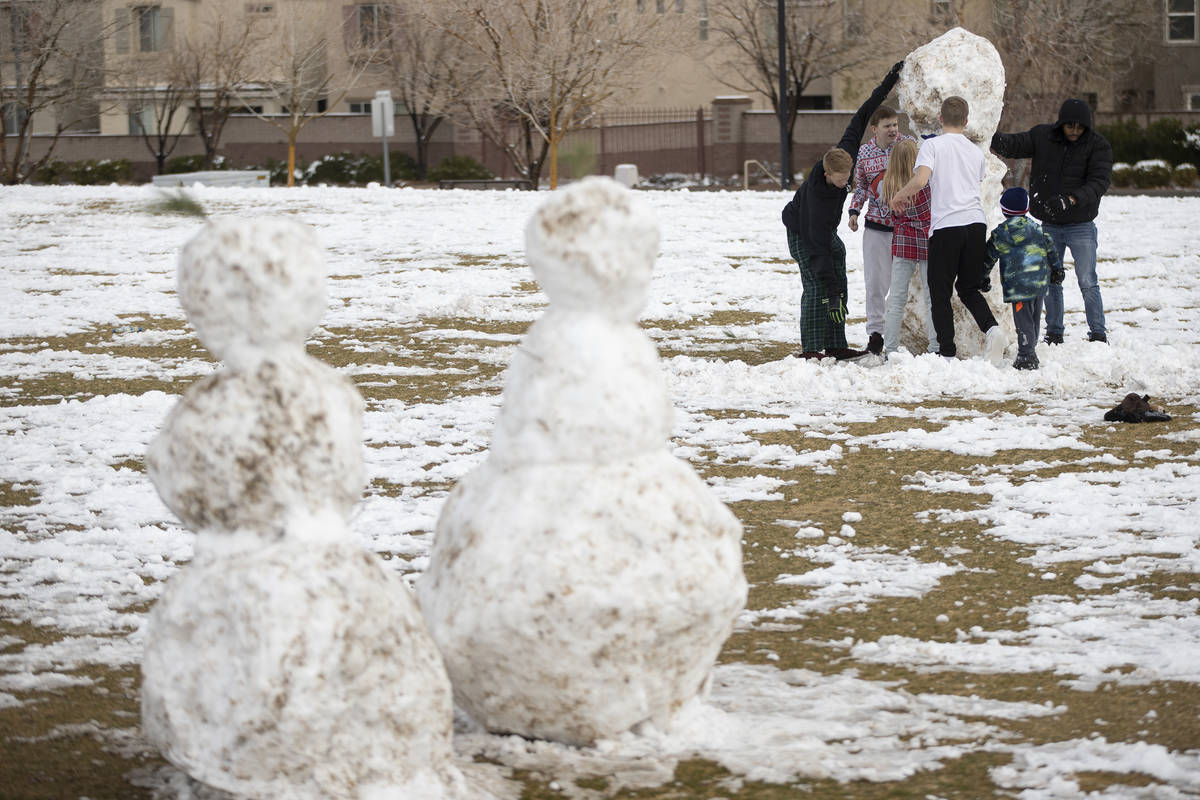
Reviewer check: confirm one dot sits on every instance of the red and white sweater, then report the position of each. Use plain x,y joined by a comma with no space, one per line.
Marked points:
868,174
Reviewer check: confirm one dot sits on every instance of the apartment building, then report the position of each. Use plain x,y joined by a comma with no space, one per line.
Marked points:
125,57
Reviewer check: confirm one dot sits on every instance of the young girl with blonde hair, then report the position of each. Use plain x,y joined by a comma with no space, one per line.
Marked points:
910,238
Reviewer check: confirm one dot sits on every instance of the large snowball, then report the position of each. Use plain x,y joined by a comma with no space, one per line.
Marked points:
298,671
575,601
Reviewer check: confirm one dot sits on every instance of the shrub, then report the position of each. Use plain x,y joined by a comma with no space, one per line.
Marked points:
277,169
1151,174
193,164
1168,141
1164,139
93,172
1128,140
1122,175
1184,175
338,168
357,169
457,168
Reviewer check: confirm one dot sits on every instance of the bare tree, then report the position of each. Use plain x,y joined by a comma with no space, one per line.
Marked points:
295,70
417,59
540,68
1055,49
824,40
51,64
158,113
212,61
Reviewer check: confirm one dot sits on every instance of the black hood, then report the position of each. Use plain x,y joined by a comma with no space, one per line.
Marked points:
1074,111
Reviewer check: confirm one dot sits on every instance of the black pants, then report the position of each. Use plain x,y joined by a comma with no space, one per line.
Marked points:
956,264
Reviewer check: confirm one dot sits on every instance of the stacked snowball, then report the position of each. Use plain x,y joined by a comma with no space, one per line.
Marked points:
284,661
969,66
583,579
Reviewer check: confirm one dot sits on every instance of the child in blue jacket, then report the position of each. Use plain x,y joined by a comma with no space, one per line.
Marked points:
1028,261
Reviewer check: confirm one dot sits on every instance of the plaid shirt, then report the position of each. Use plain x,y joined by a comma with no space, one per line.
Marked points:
910,229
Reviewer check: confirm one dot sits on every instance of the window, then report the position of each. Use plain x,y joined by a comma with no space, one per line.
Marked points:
260,9
942,10
153,28
15,35
141,121
703,18
14,117
363,107
374,23
1181,21
1191,98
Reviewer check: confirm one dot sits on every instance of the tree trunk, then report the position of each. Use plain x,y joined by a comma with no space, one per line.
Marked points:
291,158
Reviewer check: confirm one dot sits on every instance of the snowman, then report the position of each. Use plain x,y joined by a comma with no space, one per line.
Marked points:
284,661
583,579
958,63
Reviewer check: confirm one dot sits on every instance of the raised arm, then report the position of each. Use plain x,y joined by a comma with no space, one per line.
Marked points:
1013,145
858,124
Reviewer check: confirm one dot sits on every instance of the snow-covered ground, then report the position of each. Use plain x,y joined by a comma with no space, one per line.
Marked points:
429,293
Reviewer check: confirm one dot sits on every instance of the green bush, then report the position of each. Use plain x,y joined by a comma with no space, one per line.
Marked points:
1169,142
93,172
193,164
1151,174
277,169
1164,139
338,168
1122,175
1128,140
356,169
458,168
1184,175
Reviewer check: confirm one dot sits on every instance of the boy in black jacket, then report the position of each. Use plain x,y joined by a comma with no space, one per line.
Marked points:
812,219
1070,172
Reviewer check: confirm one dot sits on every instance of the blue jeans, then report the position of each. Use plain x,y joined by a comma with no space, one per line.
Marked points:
1080,237
902,272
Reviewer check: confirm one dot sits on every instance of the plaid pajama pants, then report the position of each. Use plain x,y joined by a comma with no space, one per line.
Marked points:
817,330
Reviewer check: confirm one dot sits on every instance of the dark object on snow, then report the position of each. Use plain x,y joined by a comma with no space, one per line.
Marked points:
1135,408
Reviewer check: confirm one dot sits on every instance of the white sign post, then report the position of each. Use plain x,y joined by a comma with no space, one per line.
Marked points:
383,124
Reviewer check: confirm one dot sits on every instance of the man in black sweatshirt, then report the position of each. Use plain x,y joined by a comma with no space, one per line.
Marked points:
1071,170
812,218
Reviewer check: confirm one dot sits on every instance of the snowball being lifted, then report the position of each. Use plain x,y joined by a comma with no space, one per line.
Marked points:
284,661
958,63
583,579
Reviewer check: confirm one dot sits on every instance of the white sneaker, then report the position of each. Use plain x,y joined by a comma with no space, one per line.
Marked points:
994,344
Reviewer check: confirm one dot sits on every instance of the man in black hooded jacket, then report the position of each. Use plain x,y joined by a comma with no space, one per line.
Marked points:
1070,172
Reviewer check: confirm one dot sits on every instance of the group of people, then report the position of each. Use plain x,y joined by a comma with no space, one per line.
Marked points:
922,212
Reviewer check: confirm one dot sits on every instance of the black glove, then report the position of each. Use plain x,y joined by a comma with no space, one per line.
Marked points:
893,74
1057,276
985,286
835,307
1059,203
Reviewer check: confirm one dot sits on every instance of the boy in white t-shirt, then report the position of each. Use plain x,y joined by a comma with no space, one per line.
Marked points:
953,168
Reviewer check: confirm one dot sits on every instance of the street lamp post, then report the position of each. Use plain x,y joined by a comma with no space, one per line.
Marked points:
785,169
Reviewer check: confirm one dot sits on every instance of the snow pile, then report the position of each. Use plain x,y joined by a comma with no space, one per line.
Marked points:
284,661
583,579
958,63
